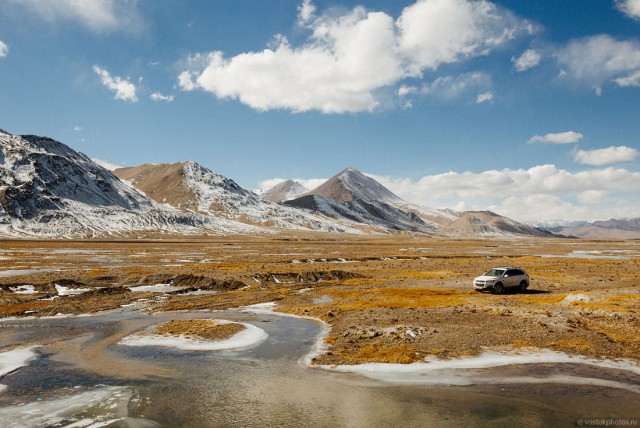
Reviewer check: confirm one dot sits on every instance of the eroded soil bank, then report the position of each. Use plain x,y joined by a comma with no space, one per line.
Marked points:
392,299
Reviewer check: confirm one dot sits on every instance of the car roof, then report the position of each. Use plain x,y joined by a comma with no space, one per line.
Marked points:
507,267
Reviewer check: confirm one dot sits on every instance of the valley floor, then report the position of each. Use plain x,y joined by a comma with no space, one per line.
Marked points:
395,299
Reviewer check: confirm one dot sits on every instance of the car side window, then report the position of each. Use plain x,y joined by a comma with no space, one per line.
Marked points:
517,272
511,272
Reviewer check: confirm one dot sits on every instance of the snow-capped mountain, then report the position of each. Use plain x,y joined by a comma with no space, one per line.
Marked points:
354,196
189,186
478,223
285,191
48,189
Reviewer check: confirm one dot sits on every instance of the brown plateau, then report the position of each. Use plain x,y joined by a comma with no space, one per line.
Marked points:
388,299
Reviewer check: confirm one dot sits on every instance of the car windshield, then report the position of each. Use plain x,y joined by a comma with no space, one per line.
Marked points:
495,272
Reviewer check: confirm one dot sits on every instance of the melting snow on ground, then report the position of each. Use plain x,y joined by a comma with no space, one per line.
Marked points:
157,288
250,336
571,298
100,407
11,361
66,291
465,371
24,289
261,308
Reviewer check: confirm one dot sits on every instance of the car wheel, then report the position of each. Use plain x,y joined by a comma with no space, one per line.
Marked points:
498,288
523,286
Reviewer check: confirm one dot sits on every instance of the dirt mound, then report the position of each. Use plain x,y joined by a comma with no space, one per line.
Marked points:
309,276
151,279
66,282
107,278
105,291
205,283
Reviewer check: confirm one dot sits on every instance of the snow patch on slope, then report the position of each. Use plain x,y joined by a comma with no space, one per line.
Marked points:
49,190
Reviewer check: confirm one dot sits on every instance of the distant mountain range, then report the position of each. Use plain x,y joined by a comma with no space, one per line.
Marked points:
49,190
190,187
354,196
607,229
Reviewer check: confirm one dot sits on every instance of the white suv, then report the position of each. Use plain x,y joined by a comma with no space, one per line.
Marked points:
500,278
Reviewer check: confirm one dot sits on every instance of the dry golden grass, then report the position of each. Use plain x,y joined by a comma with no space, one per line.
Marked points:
541,299
354,300
613,331
97,272
17,309
575,344
377,351
199,328
433,292
428,275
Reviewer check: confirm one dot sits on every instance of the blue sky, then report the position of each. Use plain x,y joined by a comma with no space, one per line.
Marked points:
528,108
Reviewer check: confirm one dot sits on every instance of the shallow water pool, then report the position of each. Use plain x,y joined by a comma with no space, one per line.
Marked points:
83,377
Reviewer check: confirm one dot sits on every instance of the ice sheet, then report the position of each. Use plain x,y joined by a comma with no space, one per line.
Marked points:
14,359
156,288
24,289
91,409
66,291
463,371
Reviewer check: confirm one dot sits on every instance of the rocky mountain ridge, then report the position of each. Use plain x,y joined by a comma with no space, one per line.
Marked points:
352,195
190,187
49,190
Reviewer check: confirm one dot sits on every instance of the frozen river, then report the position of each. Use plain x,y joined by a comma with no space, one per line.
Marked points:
82,377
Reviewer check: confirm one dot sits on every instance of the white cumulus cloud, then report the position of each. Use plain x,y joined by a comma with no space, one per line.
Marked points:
630,80
350,57
306,12
608,156
542,194
405,90
599,59
4,49
568,137
535,195
100,16
593,197
484,97
435,32
123,89
529,59
157,96
449,87
629,7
